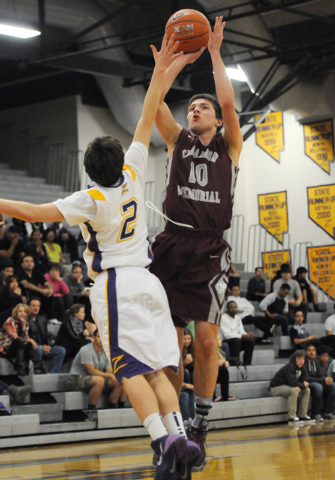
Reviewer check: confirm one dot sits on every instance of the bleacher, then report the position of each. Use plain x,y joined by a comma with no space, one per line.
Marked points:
64,417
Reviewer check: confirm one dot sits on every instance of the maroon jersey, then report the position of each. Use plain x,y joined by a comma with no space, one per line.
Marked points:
200,183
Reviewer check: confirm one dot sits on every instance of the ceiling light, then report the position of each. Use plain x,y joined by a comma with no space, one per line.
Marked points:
236,74
18,32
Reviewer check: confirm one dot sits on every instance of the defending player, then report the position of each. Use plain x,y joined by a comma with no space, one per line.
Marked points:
129,304
192,260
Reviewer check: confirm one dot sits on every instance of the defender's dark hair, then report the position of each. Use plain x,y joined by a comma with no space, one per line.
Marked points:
214,102
104,159
301,270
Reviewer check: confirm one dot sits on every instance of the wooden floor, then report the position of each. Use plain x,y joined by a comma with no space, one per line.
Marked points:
254,453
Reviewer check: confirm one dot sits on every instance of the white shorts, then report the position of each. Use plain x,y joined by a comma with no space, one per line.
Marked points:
131,311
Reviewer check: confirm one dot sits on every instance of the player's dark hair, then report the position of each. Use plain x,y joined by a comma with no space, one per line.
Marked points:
104,159
285,286
301,270
214,102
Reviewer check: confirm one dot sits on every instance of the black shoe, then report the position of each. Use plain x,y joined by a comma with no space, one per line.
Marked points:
198,436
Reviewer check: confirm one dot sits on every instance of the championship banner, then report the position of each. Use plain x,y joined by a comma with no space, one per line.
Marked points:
321,267
272,209
272,261
319,143
321,207
270,134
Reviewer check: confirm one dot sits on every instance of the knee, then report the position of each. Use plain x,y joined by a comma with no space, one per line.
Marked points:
294,393
205,347
98,382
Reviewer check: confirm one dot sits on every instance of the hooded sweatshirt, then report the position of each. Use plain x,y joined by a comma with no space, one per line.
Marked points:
290,375
314,372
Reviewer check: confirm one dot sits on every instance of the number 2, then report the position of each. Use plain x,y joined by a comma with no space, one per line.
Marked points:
128,226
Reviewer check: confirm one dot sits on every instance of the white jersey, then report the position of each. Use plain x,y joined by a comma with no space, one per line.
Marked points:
112,219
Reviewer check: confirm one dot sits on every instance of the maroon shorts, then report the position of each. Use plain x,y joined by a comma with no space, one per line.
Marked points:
193,268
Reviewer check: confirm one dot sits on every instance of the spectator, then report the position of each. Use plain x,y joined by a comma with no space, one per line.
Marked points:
322,388
10,296
91,372
323,359
61,292
72,334
301,337
295,298
275,278
68,245
256,286
291,381
15,341
223,375
79,293
2,226
16,394
35,285
7,270
11,247
21,225
275,307
308,294
187,356
245,309
54,251
38,331
330,324
36,249
234,277
233,333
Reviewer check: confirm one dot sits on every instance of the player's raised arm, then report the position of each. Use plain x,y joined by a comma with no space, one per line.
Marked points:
163,60
225,93
48,212
166,124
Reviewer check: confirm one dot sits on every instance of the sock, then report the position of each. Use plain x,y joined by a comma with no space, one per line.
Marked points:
121,404
112,405
91,407
174,423
155,426
202,408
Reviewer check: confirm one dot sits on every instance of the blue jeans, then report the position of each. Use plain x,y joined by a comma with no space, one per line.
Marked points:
56,356
319,392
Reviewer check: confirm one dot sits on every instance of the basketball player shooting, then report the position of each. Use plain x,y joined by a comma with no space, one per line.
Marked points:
129,304
191,258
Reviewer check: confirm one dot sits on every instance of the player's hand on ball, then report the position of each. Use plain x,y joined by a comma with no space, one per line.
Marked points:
166,55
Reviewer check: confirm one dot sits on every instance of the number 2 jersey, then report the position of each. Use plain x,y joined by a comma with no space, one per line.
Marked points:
112,219
200,183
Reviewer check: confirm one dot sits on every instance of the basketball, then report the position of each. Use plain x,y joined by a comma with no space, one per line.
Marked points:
191,29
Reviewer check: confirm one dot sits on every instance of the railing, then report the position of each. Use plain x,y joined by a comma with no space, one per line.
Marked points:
300,255
235,237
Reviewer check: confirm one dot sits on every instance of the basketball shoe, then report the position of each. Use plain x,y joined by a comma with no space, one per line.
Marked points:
198,436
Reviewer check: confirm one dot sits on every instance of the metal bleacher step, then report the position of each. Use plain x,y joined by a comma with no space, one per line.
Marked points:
255,372
18,426
49,382
247,390
51,412
66,427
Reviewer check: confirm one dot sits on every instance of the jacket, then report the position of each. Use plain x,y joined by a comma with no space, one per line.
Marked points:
290,375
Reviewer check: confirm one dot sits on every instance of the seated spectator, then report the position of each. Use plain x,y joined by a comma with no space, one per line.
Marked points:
36,249
234,277
330,324
275,307
7,270
38,331
275,278
245,309
308,294
322,388
301,337
34,284
61,292
11,247
72,334
79,293
232,332
68,245
16,394
187,356
291,382
256,286
54,251
295,298
223,376
14,339
2,226
91,372
323,359
21,225
10,296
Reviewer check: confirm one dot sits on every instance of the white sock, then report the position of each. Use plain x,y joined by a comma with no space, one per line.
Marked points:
174,423
155,426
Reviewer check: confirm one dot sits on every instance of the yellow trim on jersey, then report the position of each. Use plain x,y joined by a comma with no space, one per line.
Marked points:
133,174
96,195
116,360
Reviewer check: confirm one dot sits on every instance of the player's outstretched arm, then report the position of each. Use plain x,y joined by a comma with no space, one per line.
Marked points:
225,93
163,60
47,212
165,122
